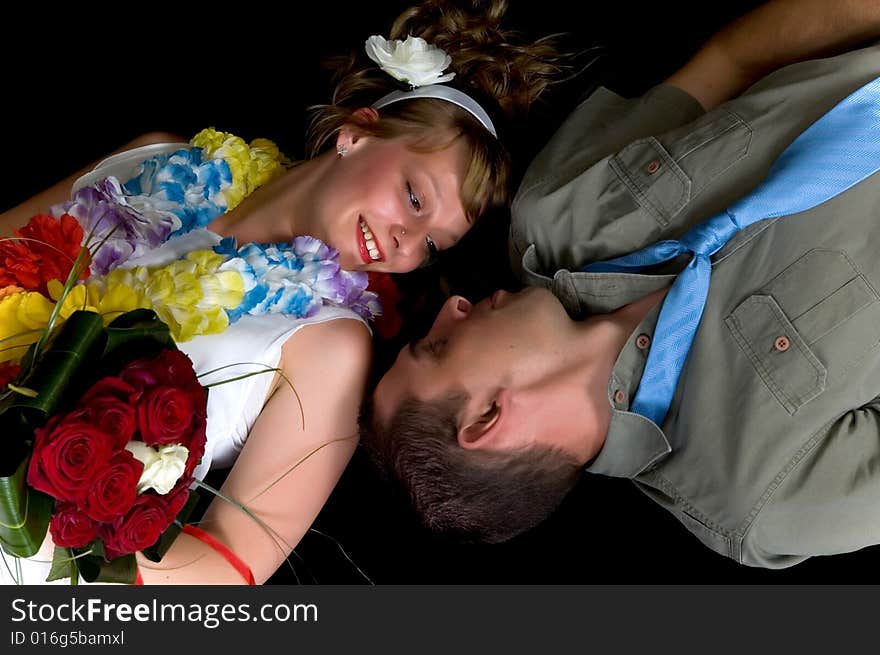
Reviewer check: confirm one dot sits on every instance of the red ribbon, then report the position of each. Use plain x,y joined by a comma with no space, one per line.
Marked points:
227,554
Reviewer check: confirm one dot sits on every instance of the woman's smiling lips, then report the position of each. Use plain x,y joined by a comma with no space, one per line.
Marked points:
370,252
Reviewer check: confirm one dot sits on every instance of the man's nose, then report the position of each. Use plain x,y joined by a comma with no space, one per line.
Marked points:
455,309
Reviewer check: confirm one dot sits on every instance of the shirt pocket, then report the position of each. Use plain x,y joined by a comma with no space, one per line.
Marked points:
665,174
806,326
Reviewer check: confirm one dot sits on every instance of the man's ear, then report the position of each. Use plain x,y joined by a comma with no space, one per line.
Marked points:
476,430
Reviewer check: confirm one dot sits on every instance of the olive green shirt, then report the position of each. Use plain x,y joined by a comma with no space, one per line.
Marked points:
770,452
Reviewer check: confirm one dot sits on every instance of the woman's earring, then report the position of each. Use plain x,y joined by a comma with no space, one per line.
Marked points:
341,151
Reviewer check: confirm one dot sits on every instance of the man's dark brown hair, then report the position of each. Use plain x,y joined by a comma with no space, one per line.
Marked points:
474,495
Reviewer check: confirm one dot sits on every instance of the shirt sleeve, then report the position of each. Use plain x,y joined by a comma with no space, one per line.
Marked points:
829,500
558,196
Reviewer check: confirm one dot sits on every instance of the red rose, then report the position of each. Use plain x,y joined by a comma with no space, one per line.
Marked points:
196,447
67,456
165,416
169,368
175,499
138,529
108,406
115,488
70,528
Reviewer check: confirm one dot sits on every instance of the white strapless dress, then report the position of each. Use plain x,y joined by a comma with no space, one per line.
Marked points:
253,343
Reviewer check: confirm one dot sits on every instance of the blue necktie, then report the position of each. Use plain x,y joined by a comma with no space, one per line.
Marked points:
835,153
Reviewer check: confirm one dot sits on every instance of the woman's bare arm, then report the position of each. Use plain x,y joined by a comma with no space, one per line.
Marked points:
285,473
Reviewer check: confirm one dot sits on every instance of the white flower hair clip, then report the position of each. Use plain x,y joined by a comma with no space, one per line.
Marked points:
420,65
414,61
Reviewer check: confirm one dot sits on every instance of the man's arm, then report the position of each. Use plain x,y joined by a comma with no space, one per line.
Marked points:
775,34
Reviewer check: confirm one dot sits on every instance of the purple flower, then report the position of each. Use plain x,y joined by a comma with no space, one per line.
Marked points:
117,228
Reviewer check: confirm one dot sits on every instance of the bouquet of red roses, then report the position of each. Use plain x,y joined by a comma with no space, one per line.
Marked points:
107,470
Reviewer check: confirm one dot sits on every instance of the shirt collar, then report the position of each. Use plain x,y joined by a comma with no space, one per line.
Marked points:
633,444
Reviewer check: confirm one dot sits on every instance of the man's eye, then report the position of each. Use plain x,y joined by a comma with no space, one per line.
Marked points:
413,198
431,251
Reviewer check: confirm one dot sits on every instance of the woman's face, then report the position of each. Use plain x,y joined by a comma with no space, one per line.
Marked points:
385,206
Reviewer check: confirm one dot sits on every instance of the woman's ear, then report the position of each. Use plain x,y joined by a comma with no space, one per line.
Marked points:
351,131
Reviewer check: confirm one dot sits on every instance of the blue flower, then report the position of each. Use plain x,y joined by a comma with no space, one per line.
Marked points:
296,279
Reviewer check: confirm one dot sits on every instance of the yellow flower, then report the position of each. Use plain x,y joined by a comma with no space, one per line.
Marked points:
23,316
109,299
190,295
251,166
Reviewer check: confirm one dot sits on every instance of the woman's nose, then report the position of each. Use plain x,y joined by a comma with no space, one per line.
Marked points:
398,236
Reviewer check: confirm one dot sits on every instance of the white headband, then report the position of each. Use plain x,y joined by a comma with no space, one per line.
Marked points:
421,65
441,92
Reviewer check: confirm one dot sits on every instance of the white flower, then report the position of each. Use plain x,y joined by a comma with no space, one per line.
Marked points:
413,61
162,468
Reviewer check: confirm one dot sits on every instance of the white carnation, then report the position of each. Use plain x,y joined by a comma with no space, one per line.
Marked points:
414,61
162,467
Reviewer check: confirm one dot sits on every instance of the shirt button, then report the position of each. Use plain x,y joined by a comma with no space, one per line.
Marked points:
619,397
643,341
781,344
652,167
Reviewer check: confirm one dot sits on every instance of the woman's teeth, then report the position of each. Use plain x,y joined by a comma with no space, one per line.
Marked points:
371,243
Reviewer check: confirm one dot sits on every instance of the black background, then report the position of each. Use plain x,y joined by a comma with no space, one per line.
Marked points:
80,83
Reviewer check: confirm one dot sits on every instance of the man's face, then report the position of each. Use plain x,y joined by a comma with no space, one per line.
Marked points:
504,354
385,206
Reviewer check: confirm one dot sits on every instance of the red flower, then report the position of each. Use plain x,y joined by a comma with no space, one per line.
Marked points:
176,499
165,416
70,528
169,368
138,529
19,265
46,250
68,455
387,324
196,447
115,489
172,408
108,406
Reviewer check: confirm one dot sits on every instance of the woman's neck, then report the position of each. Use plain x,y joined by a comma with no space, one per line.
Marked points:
273,212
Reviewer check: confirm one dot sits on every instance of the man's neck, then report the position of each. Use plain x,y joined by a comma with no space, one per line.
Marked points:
603,337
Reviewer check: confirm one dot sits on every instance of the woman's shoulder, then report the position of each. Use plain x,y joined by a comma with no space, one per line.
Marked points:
343,341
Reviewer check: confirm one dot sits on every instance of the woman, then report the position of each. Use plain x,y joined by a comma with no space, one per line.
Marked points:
395,175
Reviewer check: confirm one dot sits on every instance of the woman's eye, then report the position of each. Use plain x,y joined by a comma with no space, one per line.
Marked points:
413,198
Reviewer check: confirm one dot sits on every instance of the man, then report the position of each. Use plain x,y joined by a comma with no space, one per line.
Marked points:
769,450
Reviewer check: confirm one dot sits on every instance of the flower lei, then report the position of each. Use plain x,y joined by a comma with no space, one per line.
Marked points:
201,293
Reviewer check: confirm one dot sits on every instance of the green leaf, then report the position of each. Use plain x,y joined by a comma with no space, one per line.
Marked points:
24,514
137,333
94,568
157,551
63,565
62,367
